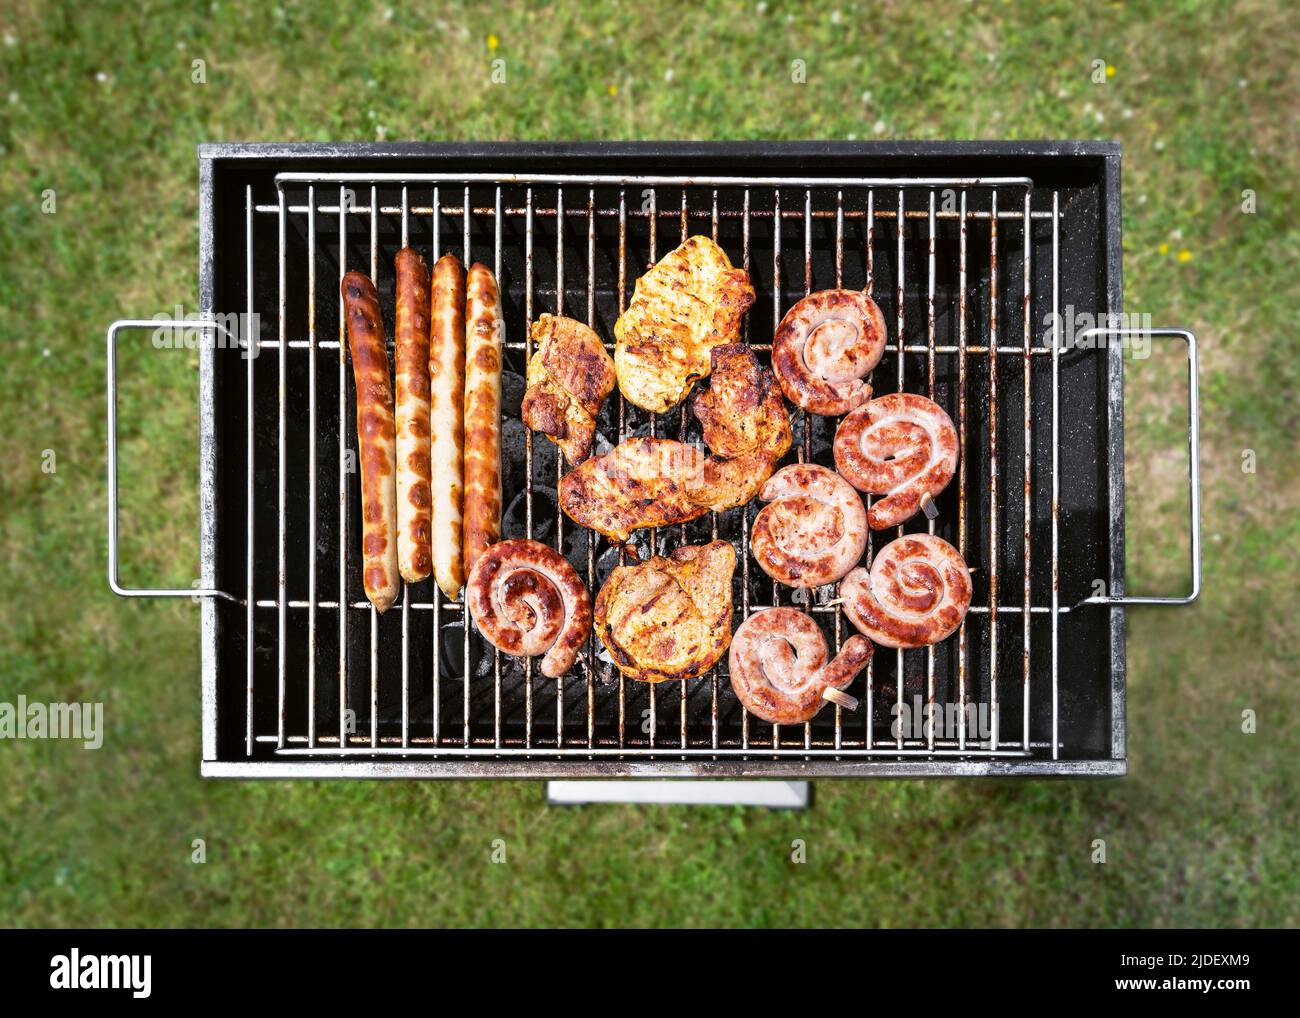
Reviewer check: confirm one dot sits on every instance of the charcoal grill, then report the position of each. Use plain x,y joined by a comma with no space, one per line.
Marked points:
967,247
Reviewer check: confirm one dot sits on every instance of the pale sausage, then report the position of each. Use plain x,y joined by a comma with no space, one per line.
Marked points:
446,421
411,361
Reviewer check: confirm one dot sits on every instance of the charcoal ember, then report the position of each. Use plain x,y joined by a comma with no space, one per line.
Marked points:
451,648
512,392
514,458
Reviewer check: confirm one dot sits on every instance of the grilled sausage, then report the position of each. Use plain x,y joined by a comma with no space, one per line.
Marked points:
815,529
483,337
902,446
778,666
447,423
411,361
916,593
825,347
376,442
527,599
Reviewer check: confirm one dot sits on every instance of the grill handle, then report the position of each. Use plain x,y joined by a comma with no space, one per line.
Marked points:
1194,464
113,582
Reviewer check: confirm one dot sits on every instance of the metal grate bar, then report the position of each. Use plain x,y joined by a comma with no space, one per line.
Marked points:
248,523
464,621
869,713
930,341
436,223
343,474
1028,494
900,228
994,714
559,460
963,470
406,592
528,440
374,615
1056,447
281,535
311,467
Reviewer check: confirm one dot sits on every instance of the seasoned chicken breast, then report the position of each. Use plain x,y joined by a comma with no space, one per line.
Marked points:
669,617
569,377
643,482
654,482
691,301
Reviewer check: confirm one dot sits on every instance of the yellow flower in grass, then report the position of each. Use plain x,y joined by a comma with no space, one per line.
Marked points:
493,42
613,90
1164,248
1184,255
1110,70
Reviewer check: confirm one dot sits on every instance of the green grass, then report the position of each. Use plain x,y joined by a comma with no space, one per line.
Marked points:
1203,97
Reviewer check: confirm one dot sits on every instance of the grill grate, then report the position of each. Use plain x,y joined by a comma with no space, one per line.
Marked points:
955,265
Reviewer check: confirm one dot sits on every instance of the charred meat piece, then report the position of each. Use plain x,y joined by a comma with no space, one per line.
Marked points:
691,301
643,482
669,618
568,379
654,482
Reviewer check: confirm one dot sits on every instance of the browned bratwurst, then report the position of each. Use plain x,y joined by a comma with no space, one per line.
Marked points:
376,440
483,336
411,361
447,421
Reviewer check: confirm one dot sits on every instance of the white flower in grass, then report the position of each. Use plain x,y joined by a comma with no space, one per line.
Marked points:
878,127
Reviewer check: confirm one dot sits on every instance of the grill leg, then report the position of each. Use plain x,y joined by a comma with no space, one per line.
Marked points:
692,792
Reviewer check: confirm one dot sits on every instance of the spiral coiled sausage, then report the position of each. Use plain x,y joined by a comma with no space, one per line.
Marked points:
825,347
916,593
527,599
902,446
778,665
815,529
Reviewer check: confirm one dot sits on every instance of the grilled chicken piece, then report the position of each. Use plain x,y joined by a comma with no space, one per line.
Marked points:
669,618
691,301
643,482
569,377
742,411
654,482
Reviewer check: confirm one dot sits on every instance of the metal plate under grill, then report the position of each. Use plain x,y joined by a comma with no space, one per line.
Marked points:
967,249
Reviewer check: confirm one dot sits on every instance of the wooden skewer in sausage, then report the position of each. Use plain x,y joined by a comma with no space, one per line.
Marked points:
483,344
411,363
376,440
447,422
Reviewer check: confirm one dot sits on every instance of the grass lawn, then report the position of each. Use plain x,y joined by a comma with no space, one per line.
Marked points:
97,104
